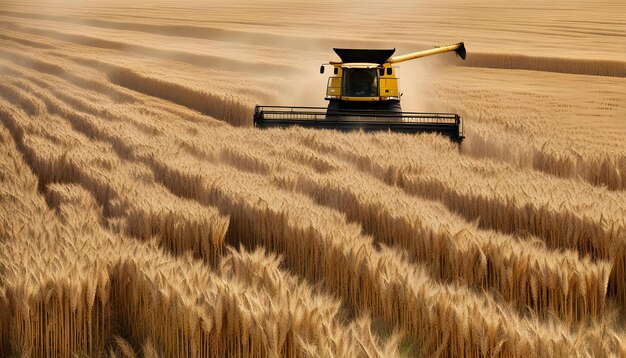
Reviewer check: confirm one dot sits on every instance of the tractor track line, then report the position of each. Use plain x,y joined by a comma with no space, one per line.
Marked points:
229,110
196,59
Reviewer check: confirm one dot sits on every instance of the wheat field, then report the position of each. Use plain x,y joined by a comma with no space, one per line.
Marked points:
141,215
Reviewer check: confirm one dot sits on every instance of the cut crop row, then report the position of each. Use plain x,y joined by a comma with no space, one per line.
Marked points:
563,213
520,271
318,244
125,190
70,286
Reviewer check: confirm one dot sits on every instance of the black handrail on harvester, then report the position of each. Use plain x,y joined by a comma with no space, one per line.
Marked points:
447,124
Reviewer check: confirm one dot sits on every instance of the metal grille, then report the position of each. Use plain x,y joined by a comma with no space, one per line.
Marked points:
318,117
320,113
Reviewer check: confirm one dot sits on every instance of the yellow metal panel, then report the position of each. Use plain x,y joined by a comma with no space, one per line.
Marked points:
334,86
389,87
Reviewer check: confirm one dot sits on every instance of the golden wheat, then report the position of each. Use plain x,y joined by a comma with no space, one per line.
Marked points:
124,191
454,250
272,213
550,64
228,109
149,292
563,213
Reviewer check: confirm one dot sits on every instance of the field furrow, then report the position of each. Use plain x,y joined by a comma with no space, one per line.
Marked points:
196,59
229,110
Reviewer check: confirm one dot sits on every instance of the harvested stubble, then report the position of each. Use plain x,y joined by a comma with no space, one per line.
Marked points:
522,272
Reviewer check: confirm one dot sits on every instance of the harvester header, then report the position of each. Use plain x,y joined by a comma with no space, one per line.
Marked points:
363,94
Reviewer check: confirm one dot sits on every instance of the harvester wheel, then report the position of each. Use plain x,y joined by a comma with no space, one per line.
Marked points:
392,106
332,109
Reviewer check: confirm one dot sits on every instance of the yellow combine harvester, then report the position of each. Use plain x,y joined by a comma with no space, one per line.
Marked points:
363,94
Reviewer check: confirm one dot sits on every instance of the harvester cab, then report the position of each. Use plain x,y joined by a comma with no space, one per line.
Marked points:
363,94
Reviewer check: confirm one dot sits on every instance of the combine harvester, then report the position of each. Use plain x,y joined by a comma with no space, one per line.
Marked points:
363,94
